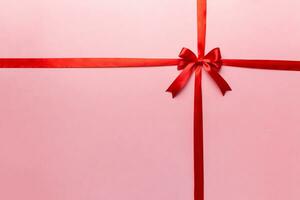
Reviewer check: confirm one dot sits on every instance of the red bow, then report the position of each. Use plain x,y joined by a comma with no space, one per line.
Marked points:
211,63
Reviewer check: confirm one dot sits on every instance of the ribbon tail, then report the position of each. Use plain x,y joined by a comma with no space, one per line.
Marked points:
219,80
198,138
180,82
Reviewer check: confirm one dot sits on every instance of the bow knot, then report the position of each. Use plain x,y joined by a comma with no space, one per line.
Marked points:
211,63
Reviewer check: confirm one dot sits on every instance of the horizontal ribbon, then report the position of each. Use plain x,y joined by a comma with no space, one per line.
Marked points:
85,62
286,65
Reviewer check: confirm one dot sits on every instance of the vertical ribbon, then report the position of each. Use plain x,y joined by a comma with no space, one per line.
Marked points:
198,112
198,138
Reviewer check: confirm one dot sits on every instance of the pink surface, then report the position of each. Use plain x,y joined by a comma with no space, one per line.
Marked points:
74,134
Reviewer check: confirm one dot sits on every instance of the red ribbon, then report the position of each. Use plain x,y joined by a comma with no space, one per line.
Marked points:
189,64
211,63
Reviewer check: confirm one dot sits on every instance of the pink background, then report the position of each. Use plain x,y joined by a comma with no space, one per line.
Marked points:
74,134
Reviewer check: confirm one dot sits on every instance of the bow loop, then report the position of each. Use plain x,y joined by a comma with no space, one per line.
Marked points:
214,57
187,57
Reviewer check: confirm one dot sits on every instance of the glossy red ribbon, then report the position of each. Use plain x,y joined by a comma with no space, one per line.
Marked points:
188,62
211,63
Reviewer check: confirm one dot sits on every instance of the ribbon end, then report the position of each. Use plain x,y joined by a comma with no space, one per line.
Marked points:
226,90
172,92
